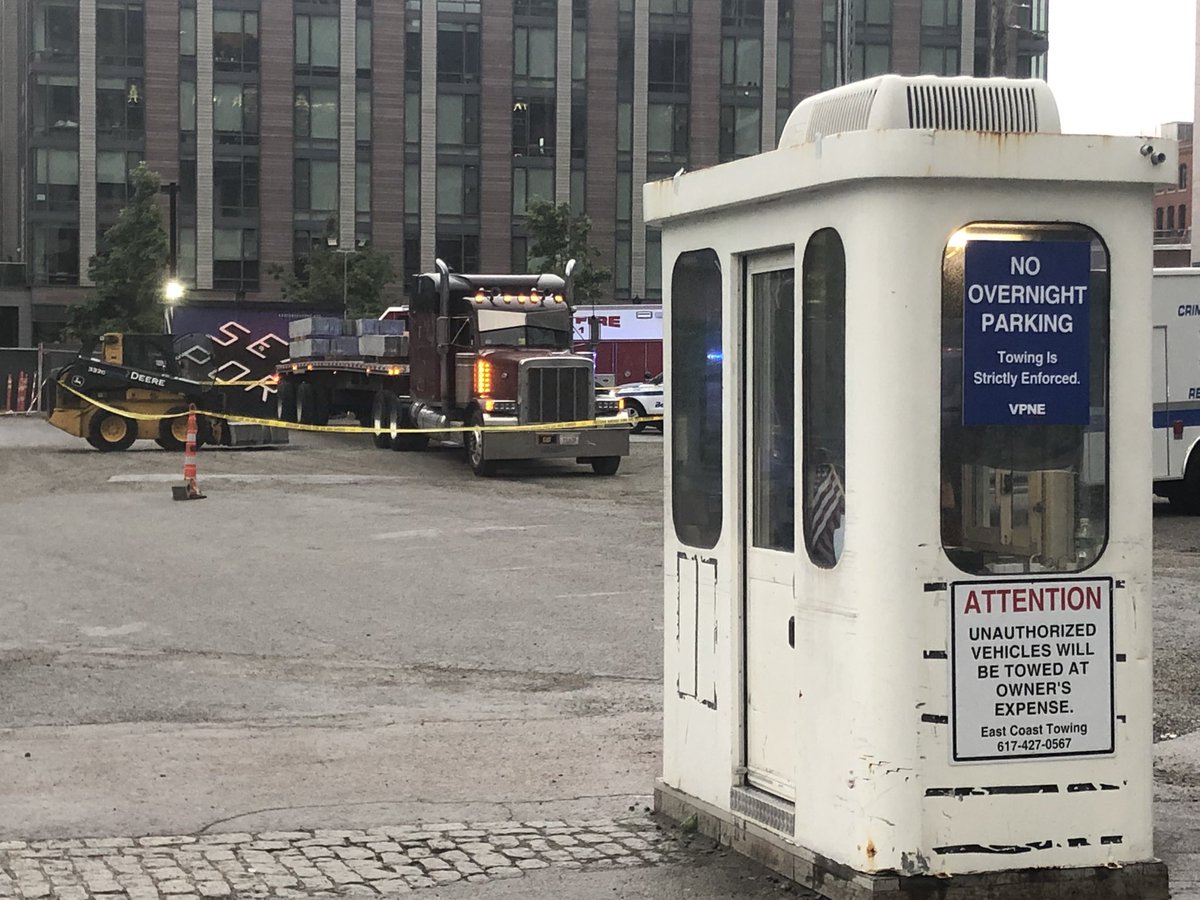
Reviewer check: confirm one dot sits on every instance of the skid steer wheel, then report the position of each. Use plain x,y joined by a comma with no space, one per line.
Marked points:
473,445
605,465
172,433
108,432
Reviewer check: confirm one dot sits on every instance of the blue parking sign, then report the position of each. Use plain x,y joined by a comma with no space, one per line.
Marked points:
1026,307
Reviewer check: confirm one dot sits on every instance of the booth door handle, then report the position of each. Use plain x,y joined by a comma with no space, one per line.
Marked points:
792,632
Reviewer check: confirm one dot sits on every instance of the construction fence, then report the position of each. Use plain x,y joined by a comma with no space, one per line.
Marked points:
24,372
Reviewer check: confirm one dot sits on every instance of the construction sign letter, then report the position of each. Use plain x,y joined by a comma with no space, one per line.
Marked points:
1031,669
1025,332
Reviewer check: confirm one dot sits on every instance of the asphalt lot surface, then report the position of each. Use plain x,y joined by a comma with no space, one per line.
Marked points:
341,638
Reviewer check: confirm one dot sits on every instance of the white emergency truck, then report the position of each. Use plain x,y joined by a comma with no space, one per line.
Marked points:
1176,369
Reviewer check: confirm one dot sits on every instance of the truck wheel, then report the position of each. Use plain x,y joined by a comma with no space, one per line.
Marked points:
1186,496
285,402
380,417
605,465
473,445
635,412
108,431
401,419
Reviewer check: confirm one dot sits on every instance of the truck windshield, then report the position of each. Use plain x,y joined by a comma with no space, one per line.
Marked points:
509,328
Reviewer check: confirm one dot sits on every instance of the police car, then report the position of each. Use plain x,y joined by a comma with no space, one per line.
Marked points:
643,398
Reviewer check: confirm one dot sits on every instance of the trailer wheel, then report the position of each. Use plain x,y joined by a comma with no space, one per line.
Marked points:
312,405
605,465
636,414
285,402
108,432
399,419
473,445
381,411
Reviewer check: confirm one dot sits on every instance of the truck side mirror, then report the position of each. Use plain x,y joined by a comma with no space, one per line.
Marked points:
442,332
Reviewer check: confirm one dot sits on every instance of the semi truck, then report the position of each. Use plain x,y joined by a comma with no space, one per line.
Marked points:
489,368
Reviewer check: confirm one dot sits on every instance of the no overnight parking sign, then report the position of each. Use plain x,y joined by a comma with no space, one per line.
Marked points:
1031,669
1025,332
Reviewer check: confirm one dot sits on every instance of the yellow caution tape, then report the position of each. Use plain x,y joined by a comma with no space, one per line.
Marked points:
355,429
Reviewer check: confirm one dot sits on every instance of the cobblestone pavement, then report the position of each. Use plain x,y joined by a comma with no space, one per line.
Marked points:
382,861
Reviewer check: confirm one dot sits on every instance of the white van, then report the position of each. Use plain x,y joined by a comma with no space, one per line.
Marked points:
1176,372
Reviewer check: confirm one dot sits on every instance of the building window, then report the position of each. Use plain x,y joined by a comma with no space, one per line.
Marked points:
624,127
187,31
317,44
939,61
187,183
741,62
56,33
56,104
235,113
120,38
316,113
1182,176
187,106
56,186
533,54
112,178
519,257
235,40
667,131
783,66
671,7
120,111
459,251
654,263
743,13
670,62
235,187
362,48
823,403
578,192
412,258
697,401
871,53
457,190
1158,219
316,186
458,120
542,8
937,13
1022,494
578,131
462,7
412,119
412,51
362,117
1182,216
533,126
362,187
235,259
741,132
458,53
623,267
531,184
412,189
187,254
1170,218
55,254
624,196
578,54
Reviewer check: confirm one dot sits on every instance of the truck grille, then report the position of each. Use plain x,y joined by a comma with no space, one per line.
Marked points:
557,393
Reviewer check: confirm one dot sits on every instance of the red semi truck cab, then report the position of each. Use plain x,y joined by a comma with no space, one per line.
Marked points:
495,350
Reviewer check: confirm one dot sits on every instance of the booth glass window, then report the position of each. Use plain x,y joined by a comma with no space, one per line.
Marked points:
823,355
1025,330
696,398
773,417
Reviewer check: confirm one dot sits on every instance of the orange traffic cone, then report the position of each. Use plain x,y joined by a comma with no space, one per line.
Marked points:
189,490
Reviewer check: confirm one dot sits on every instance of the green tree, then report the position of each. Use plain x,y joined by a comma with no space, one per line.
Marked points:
558,235
361,276
129,268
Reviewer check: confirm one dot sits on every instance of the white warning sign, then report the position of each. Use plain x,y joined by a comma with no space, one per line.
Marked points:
1032,669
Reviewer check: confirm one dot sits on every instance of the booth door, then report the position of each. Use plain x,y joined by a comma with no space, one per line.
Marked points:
770,526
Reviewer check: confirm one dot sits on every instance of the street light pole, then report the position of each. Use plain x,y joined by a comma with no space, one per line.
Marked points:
173,290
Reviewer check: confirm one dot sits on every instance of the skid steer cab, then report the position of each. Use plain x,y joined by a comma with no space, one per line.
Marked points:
135,375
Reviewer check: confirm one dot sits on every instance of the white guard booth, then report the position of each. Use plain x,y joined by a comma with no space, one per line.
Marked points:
908,517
